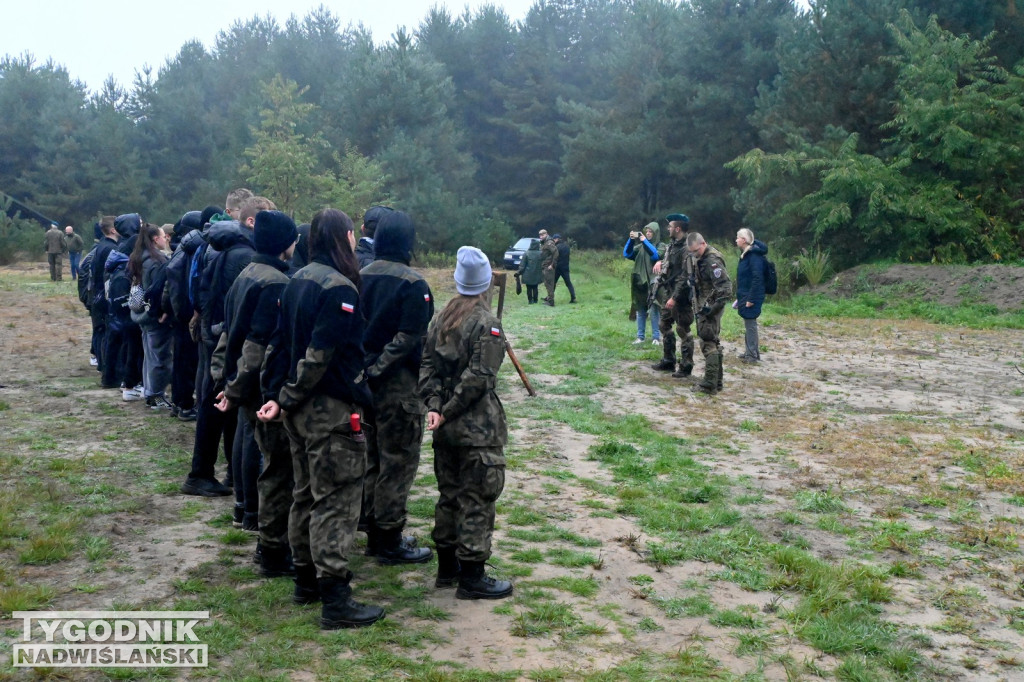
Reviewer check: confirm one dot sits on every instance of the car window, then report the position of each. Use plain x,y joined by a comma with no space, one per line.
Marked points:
523,244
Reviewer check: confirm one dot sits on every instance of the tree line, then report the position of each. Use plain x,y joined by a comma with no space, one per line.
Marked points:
873,128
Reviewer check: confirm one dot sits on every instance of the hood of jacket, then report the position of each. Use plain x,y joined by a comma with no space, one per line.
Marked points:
395,238
655,230
191,241
227,233
758,247
128,224
115,260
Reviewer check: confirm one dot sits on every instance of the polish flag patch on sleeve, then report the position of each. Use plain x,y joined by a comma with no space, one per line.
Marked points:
348,307
426,297
495,331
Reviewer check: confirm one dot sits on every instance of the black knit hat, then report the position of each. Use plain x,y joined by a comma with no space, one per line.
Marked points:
373,216
208,213
273,232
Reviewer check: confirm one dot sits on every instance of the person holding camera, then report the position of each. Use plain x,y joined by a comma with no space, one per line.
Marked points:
643,249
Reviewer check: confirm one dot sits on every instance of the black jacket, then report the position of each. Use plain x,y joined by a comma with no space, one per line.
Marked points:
365,251
251,313
397,304
230,250
317,346
99,263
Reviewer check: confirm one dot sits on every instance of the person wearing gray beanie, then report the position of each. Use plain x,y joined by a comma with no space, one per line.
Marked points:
464,350
472,271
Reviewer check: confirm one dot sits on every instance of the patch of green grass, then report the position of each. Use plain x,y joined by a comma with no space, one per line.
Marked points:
529,556
236,536
570,558
581,587
690,607
819,501
740,617
24,597
98,548
545,619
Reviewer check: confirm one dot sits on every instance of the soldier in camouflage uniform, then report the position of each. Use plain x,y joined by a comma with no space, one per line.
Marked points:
464,350
250,318
675,275
314,378
713,292
548,264
398,306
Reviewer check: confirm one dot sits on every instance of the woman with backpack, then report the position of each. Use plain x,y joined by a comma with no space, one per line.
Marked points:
750,290
145,268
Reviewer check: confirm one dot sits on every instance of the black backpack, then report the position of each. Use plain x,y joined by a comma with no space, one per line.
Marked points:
771,278
85,279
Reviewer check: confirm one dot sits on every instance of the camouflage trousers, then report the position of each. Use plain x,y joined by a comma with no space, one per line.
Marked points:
709,328
470,480
392,450
549,283
275,483
682,317
328,461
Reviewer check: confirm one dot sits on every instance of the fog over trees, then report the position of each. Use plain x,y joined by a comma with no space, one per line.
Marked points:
875,128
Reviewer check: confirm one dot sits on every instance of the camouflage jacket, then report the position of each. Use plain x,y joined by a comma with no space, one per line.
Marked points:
549,251
676,274
457,380
53,241
714,288
317,346
250,318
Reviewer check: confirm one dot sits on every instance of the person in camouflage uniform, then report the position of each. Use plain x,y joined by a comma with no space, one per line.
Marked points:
313,376
56,246
548,264
713,291
675,296
463,352
250,318
398,306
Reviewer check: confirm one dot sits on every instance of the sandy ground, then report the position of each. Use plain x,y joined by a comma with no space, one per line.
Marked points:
882,411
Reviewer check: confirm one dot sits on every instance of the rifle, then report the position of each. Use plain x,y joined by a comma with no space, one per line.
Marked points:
499,280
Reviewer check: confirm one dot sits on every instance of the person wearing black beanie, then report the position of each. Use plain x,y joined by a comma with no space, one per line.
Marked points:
250,317
398,306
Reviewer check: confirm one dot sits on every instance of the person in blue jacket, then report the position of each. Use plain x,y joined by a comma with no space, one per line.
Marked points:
644,249
750,289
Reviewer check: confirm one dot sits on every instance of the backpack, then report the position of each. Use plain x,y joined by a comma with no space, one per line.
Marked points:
85,279
771,278
118,289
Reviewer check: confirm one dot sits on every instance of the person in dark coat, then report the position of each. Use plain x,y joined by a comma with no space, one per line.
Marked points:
364,249
750,290
530,272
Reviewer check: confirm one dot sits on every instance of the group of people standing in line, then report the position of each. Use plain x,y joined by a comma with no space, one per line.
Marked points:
546,261
316,375
686,281
56,244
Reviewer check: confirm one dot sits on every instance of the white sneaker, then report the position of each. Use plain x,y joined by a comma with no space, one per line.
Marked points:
639,342
139,388
656,342
94,362
130,395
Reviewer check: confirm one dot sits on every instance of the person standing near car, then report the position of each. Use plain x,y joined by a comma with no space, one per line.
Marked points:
530,272
644,249
562,268
750,290
548,264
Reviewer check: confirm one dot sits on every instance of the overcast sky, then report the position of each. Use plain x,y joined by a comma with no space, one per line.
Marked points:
97,38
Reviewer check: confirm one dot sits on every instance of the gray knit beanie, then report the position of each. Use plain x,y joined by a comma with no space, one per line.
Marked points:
472,271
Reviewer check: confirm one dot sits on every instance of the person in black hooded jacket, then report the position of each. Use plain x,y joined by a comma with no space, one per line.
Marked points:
176,300
398,307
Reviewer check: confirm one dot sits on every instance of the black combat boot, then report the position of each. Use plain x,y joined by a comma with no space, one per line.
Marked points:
683,371
447,567
394,549
721,369
340,610
307,589
474,584
374,539
276,562
664,365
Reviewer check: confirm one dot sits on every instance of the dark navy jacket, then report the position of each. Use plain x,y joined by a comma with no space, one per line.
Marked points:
750,280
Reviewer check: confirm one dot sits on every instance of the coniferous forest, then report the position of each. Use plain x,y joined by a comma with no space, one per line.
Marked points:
874,128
